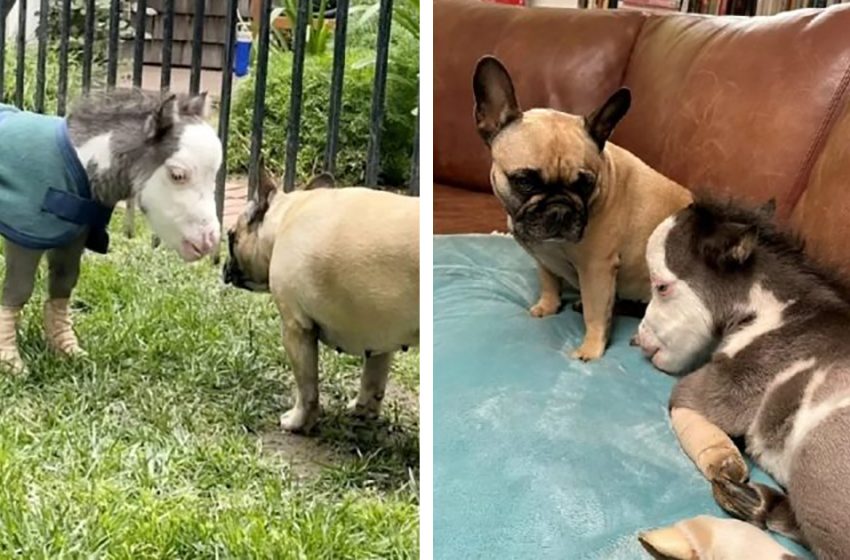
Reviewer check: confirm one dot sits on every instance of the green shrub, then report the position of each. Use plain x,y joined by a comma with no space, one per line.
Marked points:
51,81
398,128
76,36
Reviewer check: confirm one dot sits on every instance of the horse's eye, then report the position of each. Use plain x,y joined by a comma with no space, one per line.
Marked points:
662,289
178,175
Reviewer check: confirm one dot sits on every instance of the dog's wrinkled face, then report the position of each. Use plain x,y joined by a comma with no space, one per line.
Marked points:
242,268
545,163
247,264
700,264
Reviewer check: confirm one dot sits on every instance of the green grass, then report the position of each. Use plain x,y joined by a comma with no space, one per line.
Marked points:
164,442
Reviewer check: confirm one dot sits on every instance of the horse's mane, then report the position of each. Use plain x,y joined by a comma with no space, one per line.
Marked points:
784,245
124,103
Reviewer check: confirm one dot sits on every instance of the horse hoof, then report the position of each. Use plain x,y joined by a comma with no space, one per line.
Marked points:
667,544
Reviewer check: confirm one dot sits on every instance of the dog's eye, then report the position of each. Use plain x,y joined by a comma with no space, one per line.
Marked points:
584,183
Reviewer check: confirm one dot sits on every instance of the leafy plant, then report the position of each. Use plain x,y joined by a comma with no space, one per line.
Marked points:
318,33
405,27
77,30
405,15
51,78
398,126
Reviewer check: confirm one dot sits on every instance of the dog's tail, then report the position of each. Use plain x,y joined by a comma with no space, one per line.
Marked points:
758,504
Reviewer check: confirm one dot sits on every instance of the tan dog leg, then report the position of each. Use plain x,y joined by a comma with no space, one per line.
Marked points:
10,358
550,294
598,288
712,538
302,347
59,328
373,384
709,447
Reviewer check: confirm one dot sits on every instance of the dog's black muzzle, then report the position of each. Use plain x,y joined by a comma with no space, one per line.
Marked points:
553,217
230,272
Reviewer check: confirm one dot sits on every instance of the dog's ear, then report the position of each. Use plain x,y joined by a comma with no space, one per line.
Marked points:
323,181
266,191
195,106
495,101
162,119
601,122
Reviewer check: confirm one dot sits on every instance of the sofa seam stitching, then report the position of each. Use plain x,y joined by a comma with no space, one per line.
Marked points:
816,147
632,51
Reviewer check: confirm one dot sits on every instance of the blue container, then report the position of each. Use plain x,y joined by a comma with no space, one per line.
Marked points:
242,57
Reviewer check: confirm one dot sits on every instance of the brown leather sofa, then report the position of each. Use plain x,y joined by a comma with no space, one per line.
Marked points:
751,108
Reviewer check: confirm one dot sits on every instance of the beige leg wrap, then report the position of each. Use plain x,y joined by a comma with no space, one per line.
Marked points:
705,537
60,329
711,450
10,358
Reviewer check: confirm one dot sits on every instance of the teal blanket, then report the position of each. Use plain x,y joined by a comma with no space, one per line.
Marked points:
45,196
537,455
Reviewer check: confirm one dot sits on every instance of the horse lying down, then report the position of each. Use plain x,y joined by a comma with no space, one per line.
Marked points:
765,333
61,178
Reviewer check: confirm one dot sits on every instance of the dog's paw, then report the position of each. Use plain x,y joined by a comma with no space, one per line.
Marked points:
371,409
299,420
11,362
589,350
545,307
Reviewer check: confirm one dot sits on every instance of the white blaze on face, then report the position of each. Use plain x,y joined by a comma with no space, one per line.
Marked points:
179,198
677,327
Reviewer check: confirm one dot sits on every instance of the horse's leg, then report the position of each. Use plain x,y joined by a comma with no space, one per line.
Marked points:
373,384
130,219
705,537
703,431
21,266
764,507
64,270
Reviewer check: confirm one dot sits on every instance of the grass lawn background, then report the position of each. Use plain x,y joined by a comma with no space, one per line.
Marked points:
165,444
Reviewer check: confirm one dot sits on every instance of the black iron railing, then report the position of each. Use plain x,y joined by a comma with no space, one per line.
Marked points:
167,13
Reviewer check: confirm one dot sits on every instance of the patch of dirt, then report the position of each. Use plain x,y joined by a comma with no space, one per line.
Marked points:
406,399
307,456
341,439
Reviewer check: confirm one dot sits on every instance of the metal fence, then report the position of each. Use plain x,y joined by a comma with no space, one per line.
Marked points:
299,31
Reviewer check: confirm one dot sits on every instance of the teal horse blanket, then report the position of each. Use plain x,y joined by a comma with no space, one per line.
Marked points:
537,455
45,196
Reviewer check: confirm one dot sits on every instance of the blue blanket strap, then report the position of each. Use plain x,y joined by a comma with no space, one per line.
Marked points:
84,212
82,209
77,210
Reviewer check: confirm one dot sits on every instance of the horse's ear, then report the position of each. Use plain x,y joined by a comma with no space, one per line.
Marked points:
768,209
162,119
730,246
195,106
322,181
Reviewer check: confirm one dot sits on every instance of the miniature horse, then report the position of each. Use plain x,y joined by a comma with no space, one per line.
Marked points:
763,332
61,178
